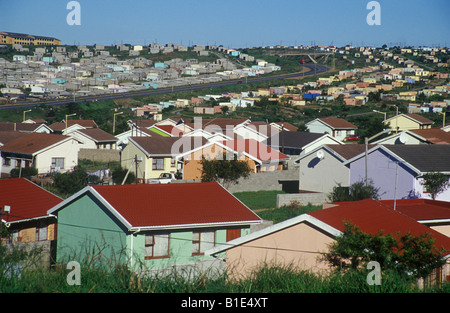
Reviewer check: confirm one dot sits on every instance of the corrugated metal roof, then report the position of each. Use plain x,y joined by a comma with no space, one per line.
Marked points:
175,204
26,199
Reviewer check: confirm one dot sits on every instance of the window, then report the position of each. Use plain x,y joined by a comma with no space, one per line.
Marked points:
156,246
202,241
7,161
172,162
41,232
58,163
158,164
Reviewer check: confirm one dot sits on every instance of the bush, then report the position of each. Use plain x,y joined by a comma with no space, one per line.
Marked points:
27,172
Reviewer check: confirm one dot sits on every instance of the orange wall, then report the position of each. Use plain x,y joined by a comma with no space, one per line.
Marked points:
193,167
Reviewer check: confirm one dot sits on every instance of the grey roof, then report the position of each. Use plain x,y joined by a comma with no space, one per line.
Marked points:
291,139
426,158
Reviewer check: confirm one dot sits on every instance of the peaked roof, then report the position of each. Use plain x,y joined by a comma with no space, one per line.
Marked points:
62,125
26,199
433,135
421,210
33,143
415,117
8,136
336,123
22,127
293,139
169,129
159,145
97,134
170,206
421,158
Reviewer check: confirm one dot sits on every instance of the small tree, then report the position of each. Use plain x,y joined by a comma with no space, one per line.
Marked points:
356,191
435,183
69,183
406,254
224,171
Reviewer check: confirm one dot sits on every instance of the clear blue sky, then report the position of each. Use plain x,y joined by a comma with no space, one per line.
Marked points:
232,23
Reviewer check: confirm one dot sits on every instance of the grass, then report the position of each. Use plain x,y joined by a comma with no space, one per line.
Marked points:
257,200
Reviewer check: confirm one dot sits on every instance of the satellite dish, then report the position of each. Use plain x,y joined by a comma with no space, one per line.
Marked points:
320,154
403,138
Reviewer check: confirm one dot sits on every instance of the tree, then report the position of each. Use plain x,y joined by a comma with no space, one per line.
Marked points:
224,171
69,183
356,191
413,256
118,175
435,183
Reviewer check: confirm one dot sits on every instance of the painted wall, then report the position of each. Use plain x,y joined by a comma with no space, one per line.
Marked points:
279,248
67,150
394,181
321,175
85,228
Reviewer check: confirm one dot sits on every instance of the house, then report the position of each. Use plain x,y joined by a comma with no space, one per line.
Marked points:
94,138
259,157
72,125
338,128
122,138
46,152
25,127
322,168
397,170
301,241
408,121
417,136
294,143
152,156
26,215
153,225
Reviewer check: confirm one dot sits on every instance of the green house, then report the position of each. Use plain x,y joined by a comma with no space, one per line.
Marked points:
151,225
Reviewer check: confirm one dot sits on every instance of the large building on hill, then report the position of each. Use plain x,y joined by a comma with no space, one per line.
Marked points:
27,40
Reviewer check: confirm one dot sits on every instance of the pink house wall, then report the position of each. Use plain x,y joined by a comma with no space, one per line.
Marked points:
279,248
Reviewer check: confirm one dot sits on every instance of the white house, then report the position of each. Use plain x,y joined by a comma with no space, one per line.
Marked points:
46,152
336,127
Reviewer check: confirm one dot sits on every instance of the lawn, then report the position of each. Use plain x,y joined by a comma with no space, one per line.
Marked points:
257,200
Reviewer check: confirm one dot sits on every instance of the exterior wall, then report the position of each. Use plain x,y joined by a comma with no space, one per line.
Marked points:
151,173
322,141
317,127
128,154
419,191
180,248
26,231
192,169
444,229
304,198
86,142
322,175
384,173
265,181
394,140
404,123
86,228
99,155
67,150
279,249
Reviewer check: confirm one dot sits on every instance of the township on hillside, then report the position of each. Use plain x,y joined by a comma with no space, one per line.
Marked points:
191,223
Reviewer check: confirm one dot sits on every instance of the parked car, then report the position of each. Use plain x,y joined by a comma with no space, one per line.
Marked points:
165,178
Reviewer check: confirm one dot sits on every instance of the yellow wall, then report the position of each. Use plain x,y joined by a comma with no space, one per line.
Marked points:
404,123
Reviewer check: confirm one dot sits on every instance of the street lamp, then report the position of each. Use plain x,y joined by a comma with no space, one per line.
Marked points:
114,121
24,114
443,118
384,113
366,142
67,115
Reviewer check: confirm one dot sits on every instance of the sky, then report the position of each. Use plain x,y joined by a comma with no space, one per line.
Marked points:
232,23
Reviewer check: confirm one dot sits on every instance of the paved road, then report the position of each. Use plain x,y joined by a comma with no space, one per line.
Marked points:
312,70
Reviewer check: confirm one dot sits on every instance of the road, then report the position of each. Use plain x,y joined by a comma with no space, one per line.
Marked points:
312,70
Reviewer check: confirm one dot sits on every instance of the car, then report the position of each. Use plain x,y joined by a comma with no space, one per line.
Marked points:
351,138
165,178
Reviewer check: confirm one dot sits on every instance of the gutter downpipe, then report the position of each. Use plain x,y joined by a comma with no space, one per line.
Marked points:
131,254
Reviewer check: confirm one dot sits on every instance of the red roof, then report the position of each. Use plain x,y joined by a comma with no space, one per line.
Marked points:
421,209
149,205
372,217
255,149
25,198
338,123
